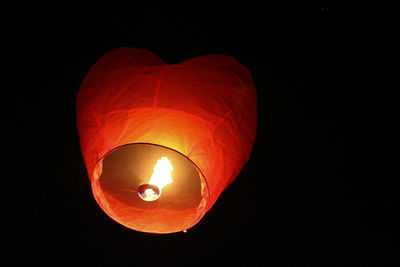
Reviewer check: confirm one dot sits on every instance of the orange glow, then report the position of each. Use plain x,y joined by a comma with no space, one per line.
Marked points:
144,124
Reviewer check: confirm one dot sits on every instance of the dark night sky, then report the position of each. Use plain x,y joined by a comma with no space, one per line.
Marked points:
313,161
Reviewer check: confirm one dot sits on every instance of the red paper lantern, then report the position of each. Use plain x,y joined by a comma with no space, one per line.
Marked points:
161,142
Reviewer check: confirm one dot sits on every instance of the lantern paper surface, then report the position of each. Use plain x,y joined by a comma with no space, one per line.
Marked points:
133,109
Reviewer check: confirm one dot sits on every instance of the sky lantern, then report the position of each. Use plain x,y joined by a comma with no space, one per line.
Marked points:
162,141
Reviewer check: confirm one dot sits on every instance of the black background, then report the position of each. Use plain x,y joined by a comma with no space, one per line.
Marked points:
322,198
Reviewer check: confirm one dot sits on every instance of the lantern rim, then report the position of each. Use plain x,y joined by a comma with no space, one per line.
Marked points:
206,193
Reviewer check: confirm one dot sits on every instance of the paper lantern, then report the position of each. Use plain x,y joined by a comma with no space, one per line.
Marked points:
161,142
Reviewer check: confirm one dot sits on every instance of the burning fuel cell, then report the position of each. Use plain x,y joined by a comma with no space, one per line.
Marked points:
160,178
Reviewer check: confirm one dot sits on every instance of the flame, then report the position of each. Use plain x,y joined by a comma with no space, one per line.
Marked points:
162,173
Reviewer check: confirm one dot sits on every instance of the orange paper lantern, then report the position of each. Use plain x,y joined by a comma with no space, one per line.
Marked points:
161,142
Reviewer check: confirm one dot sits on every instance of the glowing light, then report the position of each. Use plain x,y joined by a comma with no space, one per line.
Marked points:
162,173
149,191
161,177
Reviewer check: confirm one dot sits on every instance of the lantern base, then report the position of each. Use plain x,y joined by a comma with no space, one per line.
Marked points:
120,186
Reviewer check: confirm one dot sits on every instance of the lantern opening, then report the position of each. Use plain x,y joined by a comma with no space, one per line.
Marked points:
150,188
